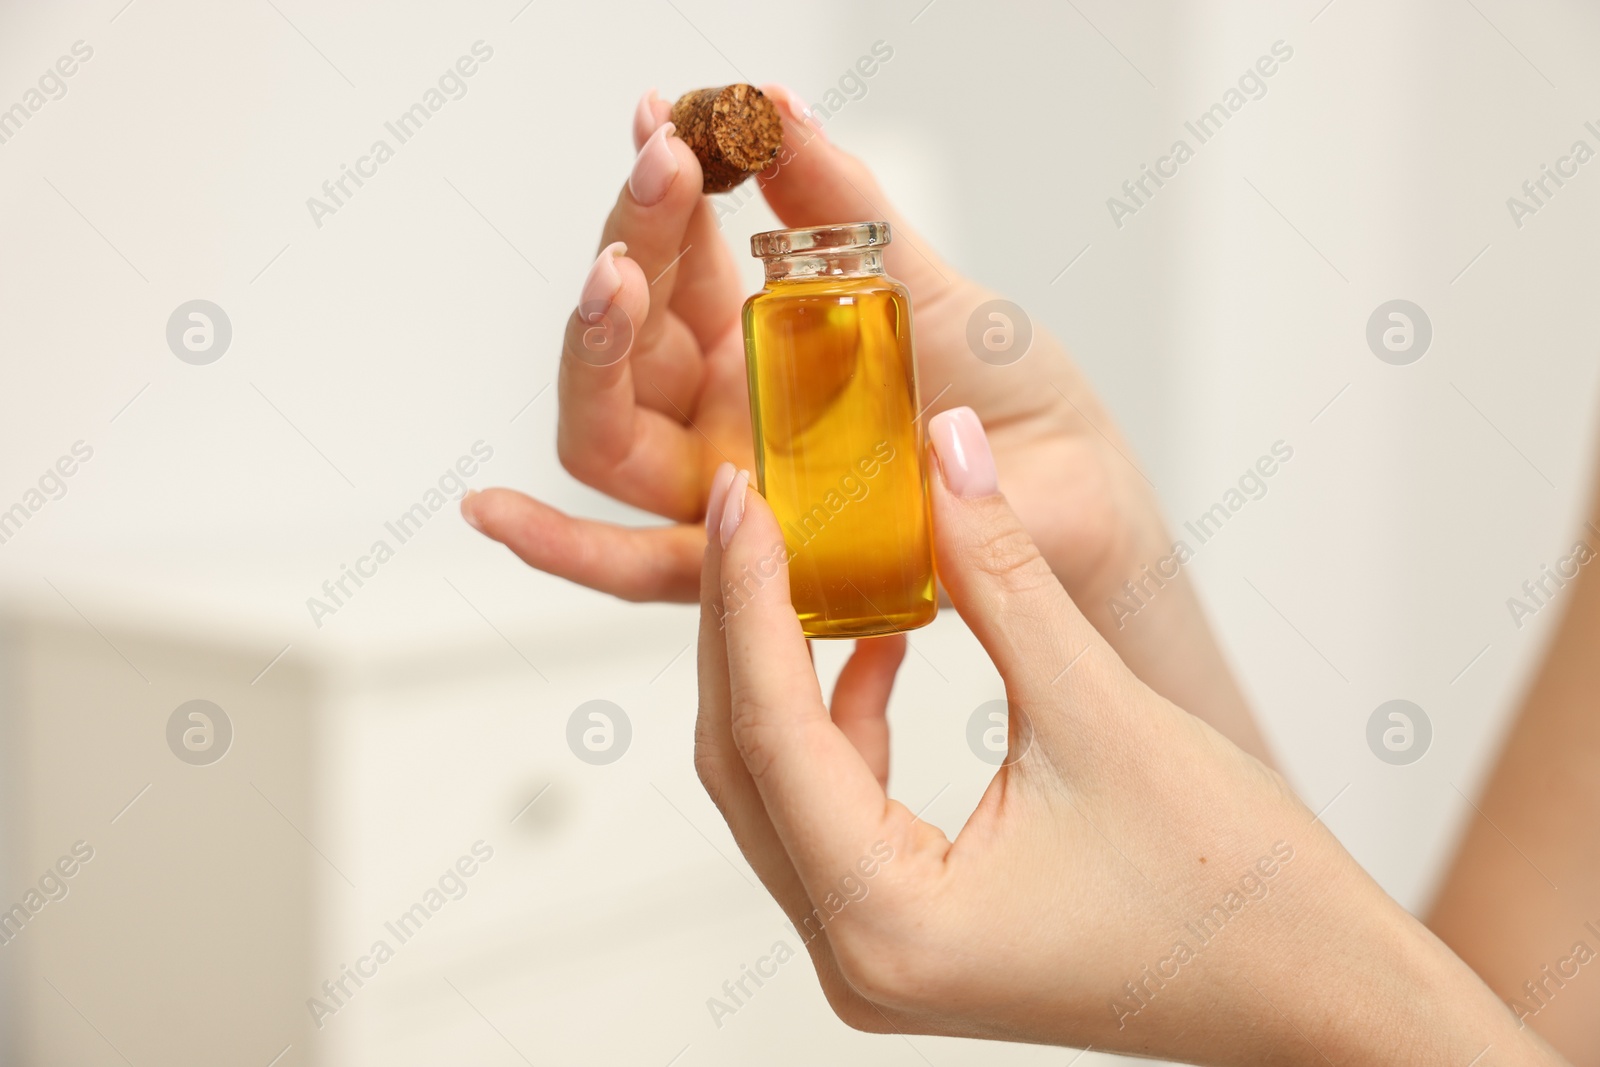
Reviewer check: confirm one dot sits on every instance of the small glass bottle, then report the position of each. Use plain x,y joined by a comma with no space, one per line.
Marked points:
838,437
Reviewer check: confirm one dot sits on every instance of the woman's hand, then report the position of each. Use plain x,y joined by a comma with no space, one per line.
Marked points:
651,424
1130,880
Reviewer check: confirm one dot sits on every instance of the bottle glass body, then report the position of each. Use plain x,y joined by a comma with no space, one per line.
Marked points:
838,438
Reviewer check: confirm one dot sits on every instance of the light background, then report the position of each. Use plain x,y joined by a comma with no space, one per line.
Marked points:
368,354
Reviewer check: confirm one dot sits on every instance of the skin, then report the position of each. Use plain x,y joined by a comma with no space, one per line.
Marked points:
1119,819
1093,839
650,429
1534,831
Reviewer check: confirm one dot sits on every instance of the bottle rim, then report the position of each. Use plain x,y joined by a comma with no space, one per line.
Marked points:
850,237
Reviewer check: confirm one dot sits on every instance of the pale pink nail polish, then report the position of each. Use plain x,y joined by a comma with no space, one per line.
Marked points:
655,168
719,496
963,451
733,511
468,513
794,108
603,283
651,112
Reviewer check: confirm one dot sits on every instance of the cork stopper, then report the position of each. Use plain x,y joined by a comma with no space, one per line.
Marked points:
734,131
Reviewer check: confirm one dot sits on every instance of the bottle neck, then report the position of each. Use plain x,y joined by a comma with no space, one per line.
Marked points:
825,263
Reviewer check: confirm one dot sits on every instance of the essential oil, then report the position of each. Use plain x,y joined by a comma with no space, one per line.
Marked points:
838,434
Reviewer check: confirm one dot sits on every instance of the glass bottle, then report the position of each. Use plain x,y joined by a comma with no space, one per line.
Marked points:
838,434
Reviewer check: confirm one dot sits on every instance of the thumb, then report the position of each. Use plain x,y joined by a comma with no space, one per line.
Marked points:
1004,590
816,183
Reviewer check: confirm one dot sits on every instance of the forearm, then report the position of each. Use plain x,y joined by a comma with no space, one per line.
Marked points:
1404,998
1328,969
1534,831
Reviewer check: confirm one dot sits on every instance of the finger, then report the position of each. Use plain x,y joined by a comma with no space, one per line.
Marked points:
1042,645
824,801
639,455
651,113
668,376
717,759
652,215
721,770
706,293
815,183
749,806
643,565
861,699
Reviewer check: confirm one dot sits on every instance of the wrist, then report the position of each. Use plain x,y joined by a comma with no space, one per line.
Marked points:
1383,989
1329,971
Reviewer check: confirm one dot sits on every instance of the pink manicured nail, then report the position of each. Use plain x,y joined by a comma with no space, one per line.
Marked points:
719,495
651,112
733,511
794,108
600,288
655,168
963,451
468,513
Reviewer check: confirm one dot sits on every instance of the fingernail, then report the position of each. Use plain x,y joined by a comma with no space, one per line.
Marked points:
468,513
733,511
719,495
655,168
651,112
963,451
794,108
600,288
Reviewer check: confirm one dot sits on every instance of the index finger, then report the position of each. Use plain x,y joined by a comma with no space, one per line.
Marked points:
666,222
816,183
651,216
824,801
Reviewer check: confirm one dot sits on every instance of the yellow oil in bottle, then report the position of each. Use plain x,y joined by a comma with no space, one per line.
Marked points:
839,450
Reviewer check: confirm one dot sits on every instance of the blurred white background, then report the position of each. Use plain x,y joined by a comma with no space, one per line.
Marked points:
370,352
